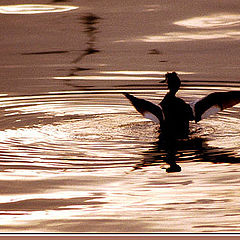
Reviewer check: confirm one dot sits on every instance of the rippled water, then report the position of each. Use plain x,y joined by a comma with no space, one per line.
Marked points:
76,157
80,162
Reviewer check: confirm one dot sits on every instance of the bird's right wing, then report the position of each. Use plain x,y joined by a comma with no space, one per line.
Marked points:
214,103
147,109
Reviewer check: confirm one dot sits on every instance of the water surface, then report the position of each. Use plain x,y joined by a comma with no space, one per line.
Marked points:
76,157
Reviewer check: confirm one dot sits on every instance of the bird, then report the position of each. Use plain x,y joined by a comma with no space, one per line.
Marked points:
174,114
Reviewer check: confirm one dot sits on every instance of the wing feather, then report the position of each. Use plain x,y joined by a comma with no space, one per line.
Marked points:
147,109
214,103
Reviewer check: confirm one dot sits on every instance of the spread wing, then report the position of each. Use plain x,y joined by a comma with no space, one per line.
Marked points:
147,109
214,103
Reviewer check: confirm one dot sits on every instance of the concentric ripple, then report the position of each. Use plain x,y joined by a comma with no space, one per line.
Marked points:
68,131
94,131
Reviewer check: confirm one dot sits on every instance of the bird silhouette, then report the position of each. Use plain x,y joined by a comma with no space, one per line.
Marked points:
174,114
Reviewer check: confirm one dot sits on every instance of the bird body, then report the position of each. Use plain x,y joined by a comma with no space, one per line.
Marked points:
177,115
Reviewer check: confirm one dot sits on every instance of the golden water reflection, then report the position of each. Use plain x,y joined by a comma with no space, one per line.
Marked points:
69,159
221,20
131,72
187,36
211,21
104,78
34,8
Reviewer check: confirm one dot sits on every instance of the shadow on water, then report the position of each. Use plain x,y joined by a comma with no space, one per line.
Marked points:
174,151
89,21
45,52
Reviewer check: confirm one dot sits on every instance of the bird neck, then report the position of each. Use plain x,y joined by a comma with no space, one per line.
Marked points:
172,92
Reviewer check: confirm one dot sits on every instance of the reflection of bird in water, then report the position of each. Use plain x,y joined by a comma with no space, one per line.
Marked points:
169,152
89,21
184,150
174,114
86,52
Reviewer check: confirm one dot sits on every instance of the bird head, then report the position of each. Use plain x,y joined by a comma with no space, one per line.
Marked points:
173,81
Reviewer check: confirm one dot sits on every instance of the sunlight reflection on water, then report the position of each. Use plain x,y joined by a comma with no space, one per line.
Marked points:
101,163
184,36
212,21
34,9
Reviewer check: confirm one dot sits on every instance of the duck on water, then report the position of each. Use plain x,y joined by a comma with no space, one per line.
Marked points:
174,114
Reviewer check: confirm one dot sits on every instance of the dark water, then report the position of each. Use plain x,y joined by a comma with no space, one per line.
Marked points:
76,157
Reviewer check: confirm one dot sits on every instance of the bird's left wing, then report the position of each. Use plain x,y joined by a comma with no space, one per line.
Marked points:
147,109
214,103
